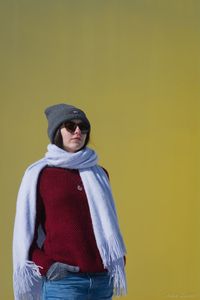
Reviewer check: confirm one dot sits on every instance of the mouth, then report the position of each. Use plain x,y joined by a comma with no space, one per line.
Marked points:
76,139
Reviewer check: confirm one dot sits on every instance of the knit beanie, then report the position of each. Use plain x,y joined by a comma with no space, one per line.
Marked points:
60,113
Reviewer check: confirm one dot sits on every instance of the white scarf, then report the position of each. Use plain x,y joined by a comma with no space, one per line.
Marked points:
27,278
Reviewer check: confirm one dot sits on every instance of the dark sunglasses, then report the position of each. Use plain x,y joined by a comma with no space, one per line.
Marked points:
71,127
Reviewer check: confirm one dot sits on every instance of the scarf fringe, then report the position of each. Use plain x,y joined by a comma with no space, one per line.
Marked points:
27,279
112,250
120,284
113,259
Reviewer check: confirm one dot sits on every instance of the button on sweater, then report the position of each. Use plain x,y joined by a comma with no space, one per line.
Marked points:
63,212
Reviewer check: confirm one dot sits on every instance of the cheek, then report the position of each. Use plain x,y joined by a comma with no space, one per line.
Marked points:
65,136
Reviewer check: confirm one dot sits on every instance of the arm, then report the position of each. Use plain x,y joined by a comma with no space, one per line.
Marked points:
36,254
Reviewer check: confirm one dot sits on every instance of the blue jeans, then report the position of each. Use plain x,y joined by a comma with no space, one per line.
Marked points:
79,286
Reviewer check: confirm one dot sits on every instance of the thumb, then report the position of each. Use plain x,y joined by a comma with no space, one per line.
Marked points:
71,268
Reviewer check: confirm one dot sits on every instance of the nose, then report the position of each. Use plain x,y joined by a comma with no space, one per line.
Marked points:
77,130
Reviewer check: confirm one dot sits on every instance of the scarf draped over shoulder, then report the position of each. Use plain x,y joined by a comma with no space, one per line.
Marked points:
26,275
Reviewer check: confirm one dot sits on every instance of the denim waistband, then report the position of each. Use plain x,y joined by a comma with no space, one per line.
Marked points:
91,273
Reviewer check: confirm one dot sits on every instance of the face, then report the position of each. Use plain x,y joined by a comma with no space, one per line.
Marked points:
73,141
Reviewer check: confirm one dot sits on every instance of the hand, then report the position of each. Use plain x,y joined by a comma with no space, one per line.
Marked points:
59,270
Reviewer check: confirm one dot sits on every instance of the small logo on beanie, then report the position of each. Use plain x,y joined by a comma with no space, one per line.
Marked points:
75,112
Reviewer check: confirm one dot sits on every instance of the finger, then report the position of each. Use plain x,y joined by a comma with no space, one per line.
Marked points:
71,268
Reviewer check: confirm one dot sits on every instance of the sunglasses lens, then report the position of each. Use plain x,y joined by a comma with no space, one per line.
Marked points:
71,127
83,127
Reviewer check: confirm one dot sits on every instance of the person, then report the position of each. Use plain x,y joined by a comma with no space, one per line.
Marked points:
67,243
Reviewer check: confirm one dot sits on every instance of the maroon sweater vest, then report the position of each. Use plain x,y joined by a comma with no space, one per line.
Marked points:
63,211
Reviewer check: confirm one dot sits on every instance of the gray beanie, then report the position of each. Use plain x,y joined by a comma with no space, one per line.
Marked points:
60,113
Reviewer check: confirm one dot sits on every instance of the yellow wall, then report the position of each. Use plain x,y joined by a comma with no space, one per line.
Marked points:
134,67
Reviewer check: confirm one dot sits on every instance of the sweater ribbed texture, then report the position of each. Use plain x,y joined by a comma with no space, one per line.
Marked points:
63,211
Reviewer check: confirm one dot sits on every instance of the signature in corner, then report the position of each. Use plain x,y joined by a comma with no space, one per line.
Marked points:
181,295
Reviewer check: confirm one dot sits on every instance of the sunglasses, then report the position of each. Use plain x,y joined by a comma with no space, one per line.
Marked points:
71,127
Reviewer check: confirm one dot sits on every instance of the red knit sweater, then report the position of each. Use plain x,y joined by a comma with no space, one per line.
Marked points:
63,211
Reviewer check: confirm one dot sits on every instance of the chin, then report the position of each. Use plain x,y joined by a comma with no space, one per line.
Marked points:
76,149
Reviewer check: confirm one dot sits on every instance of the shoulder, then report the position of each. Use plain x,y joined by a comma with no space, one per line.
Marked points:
36,165
105,170
34,169
30,176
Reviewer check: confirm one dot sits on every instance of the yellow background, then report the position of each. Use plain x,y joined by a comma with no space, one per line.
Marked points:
134,67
